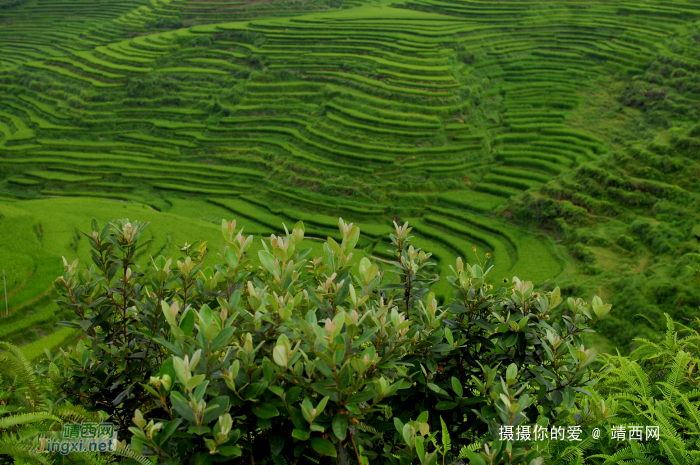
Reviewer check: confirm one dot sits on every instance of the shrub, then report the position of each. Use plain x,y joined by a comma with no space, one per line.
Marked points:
627,242
306,358
120,318
583,253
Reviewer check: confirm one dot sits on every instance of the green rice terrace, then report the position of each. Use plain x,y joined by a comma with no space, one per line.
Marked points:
559,136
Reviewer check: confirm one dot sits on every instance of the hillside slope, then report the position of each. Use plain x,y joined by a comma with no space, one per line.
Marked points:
469,119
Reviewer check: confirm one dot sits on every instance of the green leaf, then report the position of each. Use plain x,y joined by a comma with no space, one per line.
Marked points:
398,424
168,369
230,257
194,381
206,315
265,410
475,458
323,447
160,276
334,245
280,254
340,426
181,406
512,371
363,396
267,260
166,311
449,336
276,390
199,430
280,355
292,395
187,322
301,434
342,292
224,229
222,402
168,431
228,451
457,387
321,405
445,405
420,449
222,338
298,419
276,443
372,272
352,240
436,388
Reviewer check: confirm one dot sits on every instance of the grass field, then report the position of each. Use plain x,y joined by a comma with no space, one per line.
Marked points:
475,121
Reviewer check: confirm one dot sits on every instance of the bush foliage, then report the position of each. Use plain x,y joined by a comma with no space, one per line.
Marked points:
310,357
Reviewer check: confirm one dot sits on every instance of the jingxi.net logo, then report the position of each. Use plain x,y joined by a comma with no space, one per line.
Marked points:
80,437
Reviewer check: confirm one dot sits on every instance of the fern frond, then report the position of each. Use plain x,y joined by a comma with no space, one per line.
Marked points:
23,370
19,450
92,458
674,455
446,441
25,418
616,458
367,428
636,378
130,454
473,447
28,433
675,378
692,410
74,413
279,460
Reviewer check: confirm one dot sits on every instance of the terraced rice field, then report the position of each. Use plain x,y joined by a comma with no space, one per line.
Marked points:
435,112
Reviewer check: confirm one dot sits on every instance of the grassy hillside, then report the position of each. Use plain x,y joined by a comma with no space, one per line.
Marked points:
555,135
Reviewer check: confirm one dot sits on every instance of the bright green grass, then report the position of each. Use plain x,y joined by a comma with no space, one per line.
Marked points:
68,74
35,350
470,199
87,69
44,107
38,120
532,257
21,131
156,140
62,177
367,112
25,255
26,318
215,62
191,70
232,191
24,181
92,59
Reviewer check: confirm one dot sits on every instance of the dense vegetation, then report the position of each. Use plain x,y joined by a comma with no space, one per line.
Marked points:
310,357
